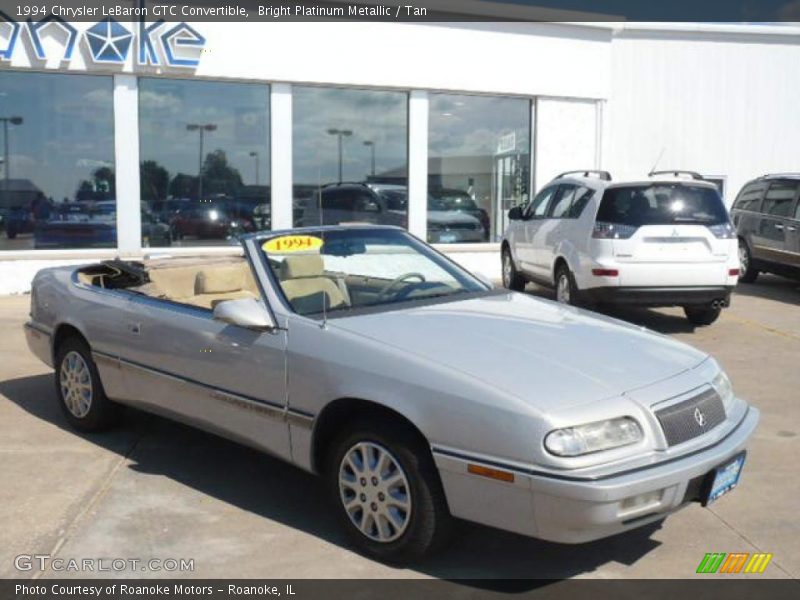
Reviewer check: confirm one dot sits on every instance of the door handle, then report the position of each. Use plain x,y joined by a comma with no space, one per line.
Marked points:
791,228
778,226
134,328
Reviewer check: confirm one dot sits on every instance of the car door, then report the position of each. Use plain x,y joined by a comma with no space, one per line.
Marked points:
553,229
793,235
224,378
532,219
746,212
770,240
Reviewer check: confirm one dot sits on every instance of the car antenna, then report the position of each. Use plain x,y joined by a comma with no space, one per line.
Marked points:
658,160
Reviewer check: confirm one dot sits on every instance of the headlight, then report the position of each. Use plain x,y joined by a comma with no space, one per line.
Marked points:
593,437
724,388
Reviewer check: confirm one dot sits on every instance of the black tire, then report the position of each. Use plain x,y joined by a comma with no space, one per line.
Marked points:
102,413
429,523
701,315
563,273
747,271
512,279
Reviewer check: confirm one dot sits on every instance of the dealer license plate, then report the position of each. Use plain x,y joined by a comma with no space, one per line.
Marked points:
726,477
448,238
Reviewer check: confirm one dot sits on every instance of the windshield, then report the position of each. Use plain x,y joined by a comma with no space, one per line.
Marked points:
662,204
340,270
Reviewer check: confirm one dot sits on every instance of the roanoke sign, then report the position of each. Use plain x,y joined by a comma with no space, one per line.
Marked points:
108,41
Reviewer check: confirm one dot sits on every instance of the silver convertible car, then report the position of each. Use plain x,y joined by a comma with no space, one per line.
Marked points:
416,390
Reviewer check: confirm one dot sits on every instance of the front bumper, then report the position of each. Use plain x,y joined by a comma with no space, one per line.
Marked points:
659,296
560,508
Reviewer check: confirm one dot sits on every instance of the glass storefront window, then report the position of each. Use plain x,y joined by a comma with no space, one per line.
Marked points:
350,156
57,184
478,165
205,157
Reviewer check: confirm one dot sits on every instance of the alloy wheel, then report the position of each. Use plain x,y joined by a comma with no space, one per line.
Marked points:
76,384
744,259
375,492
507,268
562,289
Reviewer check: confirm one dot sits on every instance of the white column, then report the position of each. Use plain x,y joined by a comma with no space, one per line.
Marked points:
532,181
280,107
418,164
126,149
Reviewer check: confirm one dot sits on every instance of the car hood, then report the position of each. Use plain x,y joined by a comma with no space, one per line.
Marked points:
551,356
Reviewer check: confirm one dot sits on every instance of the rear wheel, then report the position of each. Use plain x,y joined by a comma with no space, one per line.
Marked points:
701,315
512,280
387,492
79,389
566,290
747,273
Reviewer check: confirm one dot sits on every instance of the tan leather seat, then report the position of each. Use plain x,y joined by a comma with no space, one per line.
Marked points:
175,283
227,282
203,285
304,284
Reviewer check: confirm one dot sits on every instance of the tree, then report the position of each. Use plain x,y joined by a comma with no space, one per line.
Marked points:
154,181
183,186
219,177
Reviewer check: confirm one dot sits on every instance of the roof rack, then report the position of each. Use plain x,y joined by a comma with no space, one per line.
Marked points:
677,173
604,175
771,175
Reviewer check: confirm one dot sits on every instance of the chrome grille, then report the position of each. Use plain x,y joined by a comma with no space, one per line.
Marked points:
691,418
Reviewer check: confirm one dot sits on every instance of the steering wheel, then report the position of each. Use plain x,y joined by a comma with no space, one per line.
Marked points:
397,281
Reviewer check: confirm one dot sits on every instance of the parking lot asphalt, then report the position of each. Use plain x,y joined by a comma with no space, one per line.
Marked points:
156,489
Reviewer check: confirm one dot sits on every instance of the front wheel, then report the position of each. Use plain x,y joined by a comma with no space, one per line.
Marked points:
747,273
512,280
387,492
701,315
79,389
566,290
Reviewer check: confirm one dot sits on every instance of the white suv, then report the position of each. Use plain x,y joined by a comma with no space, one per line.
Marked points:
664,241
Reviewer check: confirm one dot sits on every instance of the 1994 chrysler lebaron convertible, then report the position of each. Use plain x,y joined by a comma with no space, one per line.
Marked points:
418,391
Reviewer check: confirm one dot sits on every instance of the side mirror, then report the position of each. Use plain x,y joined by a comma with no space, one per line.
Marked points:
484,279
515,214
248,312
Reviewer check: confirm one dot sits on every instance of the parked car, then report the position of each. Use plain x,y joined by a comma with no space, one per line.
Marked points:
766,214
416,391
208,221
165,210
664,241
460,201
446,225
19,219
351,203
387,204
93,225
78,225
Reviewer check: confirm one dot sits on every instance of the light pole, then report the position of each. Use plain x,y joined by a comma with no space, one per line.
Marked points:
371,146
202,128
340,133
6,163
254,154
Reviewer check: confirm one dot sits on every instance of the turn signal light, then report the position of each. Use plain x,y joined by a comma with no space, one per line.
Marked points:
733,272
491,473
605,272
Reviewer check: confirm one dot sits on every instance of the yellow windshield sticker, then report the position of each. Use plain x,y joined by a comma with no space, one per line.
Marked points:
292,243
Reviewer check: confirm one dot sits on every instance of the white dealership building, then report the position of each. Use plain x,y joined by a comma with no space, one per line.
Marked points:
172,138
